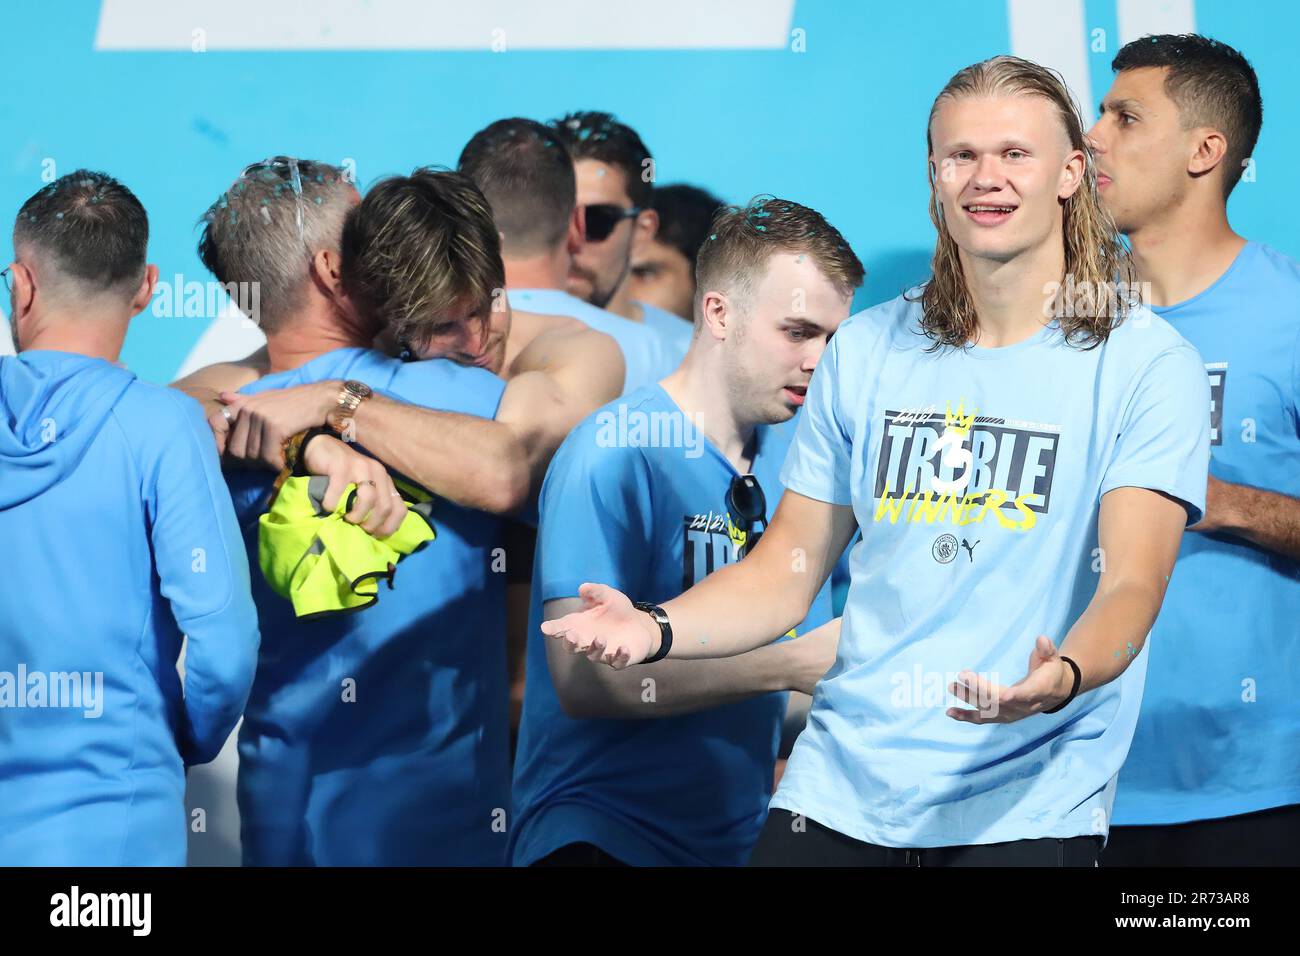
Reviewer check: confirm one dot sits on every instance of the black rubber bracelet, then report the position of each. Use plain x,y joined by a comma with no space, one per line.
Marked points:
660,617
1078,679
300,466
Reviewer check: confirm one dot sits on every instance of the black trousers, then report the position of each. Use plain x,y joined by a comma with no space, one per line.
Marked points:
1266,838
579,854
790,841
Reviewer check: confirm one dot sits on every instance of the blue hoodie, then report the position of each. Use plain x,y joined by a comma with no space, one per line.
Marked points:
119,537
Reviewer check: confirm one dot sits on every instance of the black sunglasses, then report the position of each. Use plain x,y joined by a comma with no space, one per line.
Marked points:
603,217
747,505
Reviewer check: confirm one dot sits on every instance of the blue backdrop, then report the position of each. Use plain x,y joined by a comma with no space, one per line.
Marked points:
826,106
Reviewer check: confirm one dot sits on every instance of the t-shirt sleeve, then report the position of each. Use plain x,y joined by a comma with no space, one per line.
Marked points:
1164,436
595,520
819,460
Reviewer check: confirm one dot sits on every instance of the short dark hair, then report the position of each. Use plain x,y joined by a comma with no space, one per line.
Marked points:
419,247
92,227
685,215
527,176
594,135
1211,83
270,222
743,238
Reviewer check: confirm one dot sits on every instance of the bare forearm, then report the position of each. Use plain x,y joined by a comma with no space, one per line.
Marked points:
739,607
1111,632
669,688
204,395
1268,519
472,461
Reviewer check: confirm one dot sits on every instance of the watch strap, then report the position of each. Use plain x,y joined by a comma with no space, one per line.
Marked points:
660,617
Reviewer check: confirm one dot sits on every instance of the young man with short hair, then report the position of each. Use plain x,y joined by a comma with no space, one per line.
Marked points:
525,171
672,764
127,544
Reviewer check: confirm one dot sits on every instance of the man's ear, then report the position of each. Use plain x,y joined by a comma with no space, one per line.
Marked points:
577,230
327,272
1211,147
1072,175
645,229
140,301
24,286
717,313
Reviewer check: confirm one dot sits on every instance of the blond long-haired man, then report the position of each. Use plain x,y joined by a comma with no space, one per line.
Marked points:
1021,446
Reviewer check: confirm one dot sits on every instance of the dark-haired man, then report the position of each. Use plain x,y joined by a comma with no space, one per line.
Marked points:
111,493
1213,777
663,272
672,764
615,190
527,174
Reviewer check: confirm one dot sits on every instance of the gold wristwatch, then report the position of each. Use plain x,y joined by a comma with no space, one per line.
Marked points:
351,395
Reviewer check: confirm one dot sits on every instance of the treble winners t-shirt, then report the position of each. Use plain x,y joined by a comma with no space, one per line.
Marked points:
976,476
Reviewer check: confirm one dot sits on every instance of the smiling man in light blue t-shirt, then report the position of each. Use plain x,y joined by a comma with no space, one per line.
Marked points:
1021,448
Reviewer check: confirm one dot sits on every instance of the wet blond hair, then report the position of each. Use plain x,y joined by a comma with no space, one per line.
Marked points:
1096,260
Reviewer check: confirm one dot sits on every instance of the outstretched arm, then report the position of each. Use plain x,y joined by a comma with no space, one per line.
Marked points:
490,465
733,610
671,687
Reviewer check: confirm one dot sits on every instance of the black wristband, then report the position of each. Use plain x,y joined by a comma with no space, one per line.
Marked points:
660,617
300,463
1078,679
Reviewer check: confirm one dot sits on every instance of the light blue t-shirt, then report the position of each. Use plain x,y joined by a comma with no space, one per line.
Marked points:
976,476
675,331
636,498
646,358
380,737
1219,731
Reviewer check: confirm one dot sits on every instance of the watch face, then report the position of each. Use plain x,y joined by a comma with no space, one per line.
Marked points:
359,389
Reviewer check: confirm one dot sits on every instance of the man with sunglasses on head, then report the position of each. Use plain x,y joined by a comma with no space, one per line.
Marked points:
615,179
526,173
672,764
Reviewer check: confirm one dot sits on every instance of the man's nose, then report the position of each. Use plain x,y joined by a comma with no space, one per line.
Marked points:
988,171
1093,138
476,338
